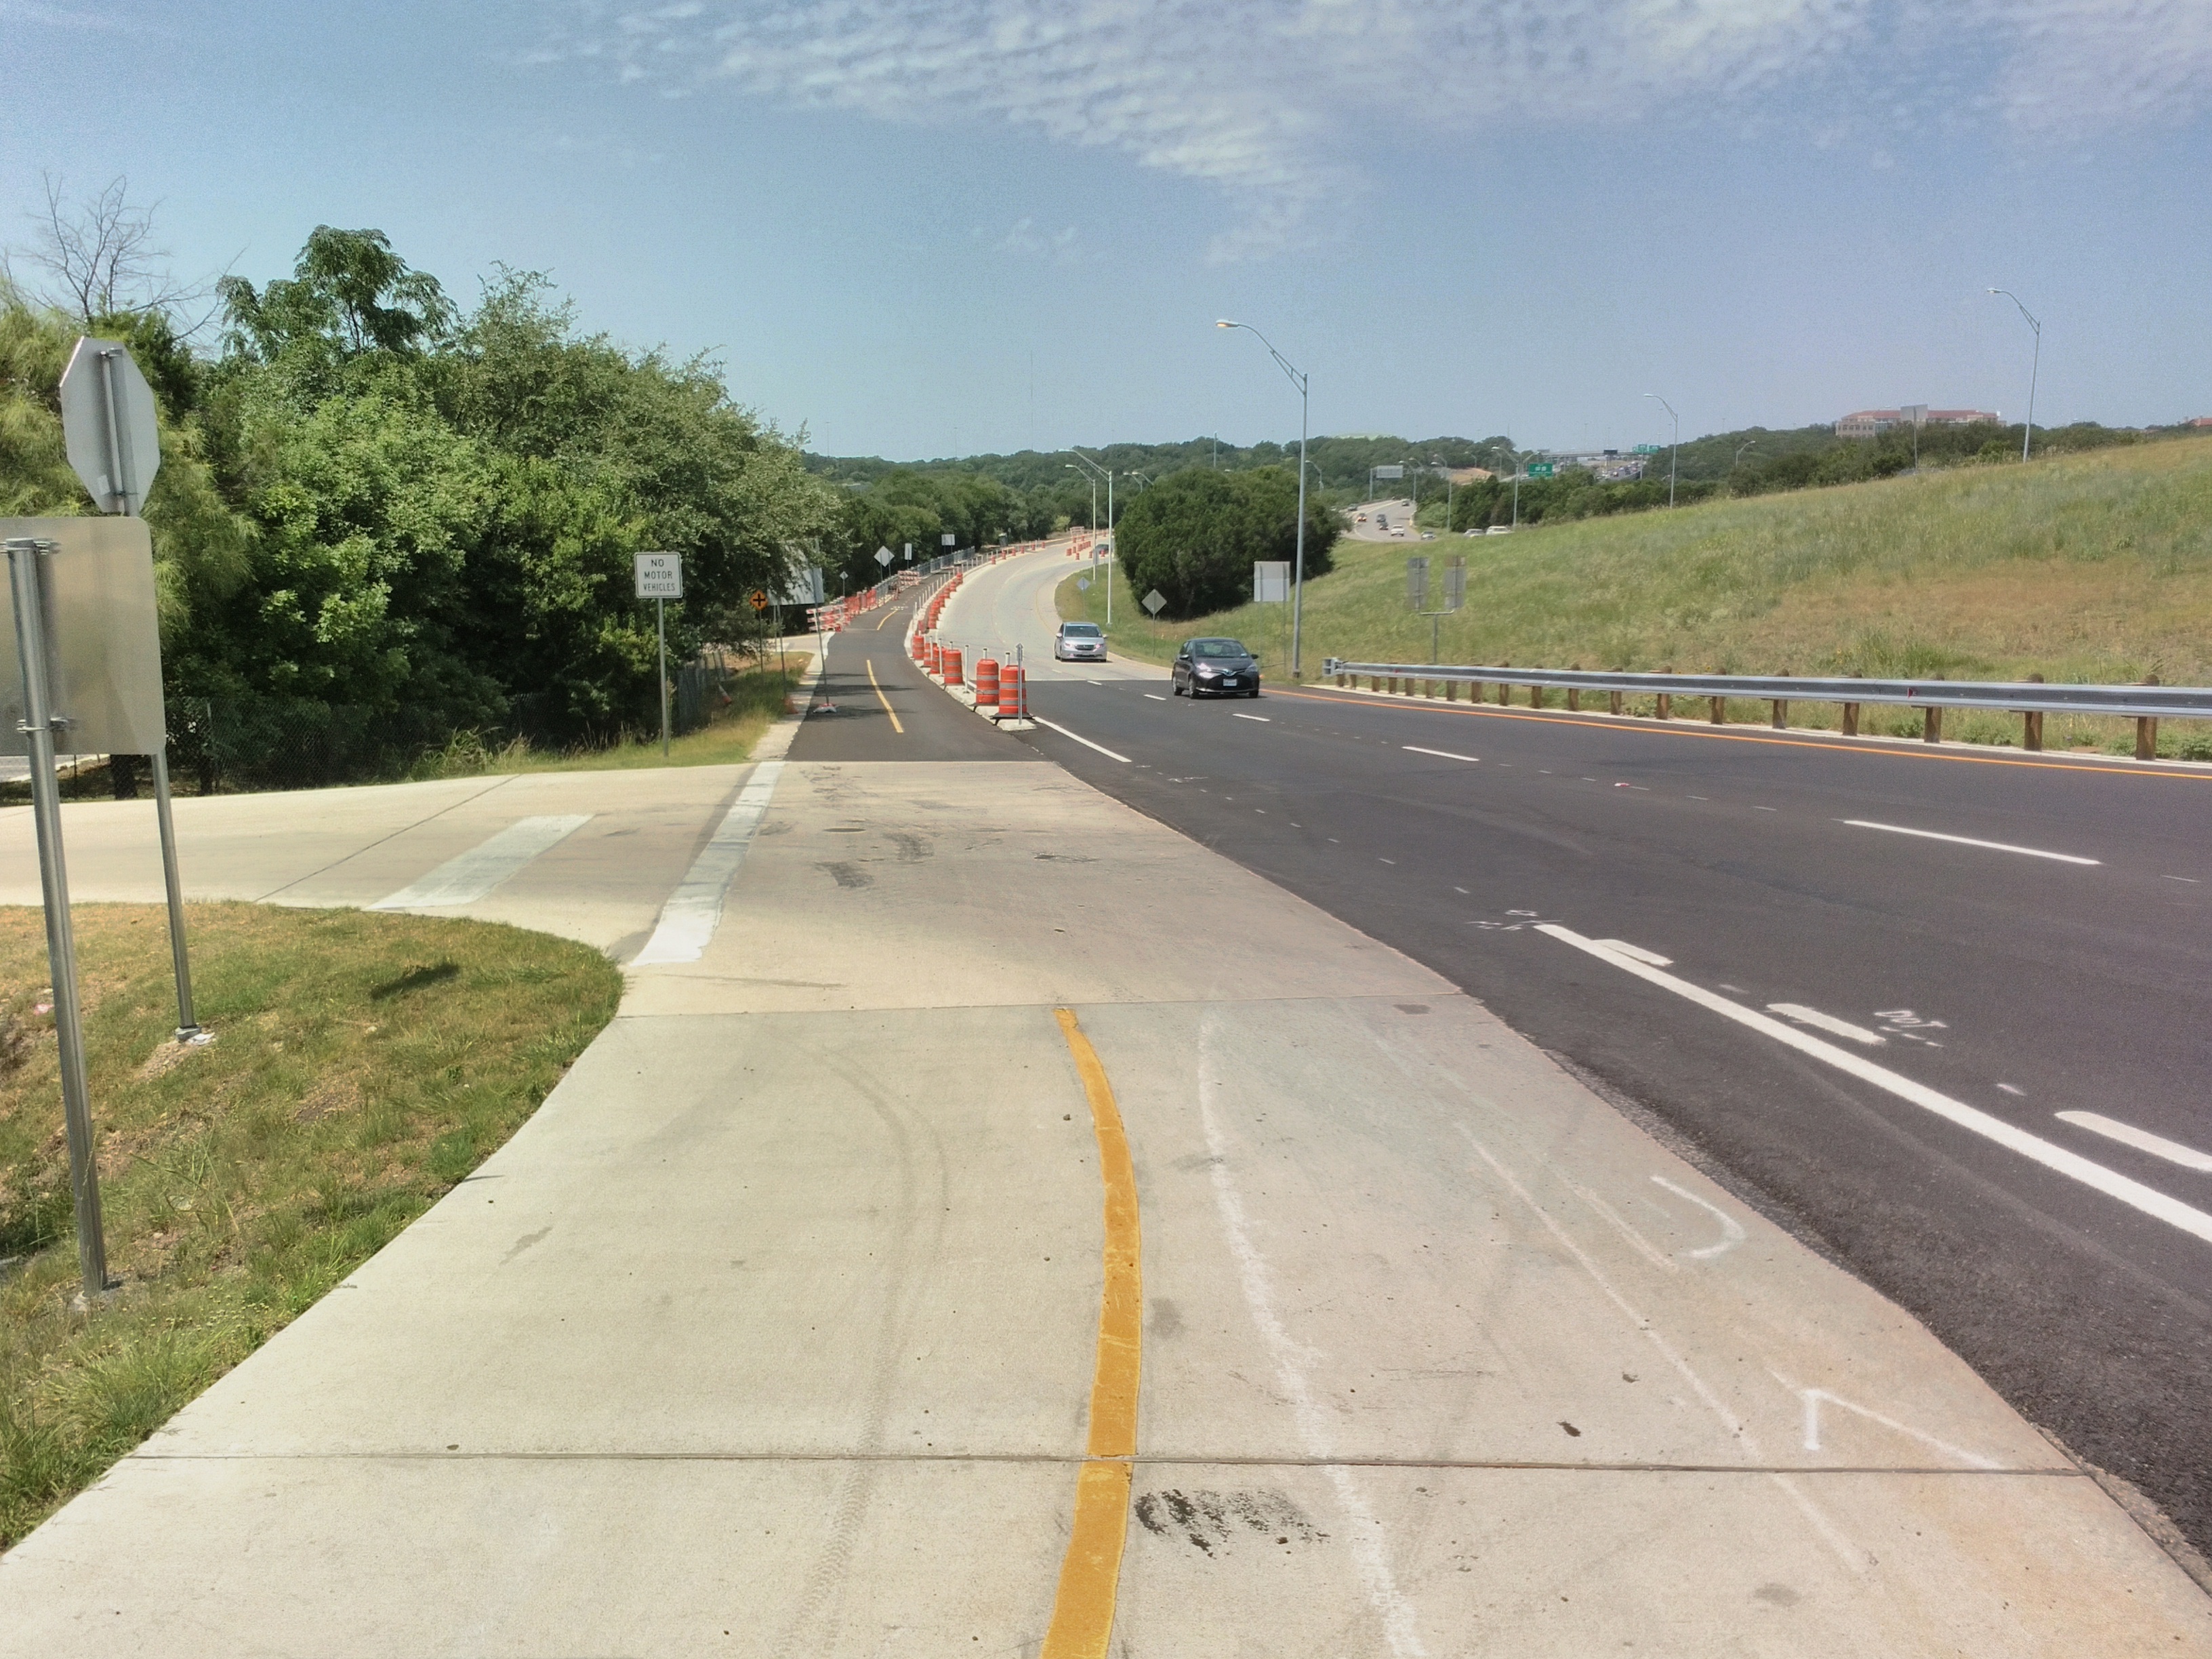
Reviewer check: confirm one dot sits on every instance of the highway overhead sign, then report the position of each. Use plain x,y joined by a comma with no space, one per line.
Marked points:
883,555
1649,449
1542,470
1155,601
660,576
1389,471
108,425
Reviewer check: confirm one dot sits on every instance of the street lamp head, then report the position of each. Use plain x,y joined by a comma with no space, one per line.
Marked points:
1225,323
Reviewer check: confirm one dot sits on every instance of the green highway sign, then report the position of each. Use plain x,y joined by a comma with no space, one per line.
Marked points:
1541,470
1648,449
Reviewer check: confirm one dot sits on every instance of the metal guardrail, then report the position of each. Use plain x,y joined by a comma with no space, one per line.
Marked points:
2146,704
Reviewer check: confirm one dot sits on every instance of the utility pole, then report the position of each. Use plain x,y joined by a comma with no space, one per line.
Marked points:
1298,586
2035,368
1673,450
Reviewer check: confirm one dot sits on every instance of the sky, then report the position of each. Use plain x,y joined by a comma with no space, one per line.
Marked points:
928,228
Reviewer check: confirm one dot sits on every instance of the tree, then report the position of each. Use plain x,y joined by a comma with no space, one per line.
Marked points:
1197,533
100,259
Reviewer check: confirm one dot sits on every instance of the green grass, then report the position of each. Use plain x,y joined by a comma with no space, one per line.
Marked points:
2094,567
362,1065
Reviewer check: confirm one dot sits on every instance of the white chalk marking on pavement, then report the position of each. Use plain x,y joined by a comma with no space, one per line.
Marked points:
1441,754
1812,1397
1968,840
1731,1229
1739,1431
1263,718
2110,1183
465,879
1086,742
2009,1090
693,910
1637,952
1818,1021
1369,1549
2141,1139
1637,1242
1153,696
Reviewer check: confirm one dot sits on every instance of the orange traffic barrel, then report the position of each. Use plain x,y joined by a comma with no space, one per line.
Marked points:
952,665
1013,693
987,683
934,661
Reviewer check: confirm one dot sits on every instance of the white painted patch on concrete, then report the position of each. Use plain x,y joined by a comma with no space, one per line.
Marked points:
1084,741
1818,1021
2141,1139
1637,952
1969,840
465,879
2110,1183
1370,1552
693,910
1731,1229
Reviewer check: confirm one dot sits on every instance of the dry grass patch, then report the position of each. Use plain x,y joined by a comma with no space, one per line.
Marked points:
362,1065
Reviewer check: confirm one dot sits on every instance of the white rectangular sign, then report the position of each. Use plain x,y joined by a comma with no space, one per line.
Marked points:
1271,582
660,576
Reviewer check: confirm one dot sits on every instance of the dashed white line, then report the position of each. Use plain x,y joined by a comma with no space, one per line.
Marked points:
1818,1021
1084,741
1154,697
1262,719
1969,840
1388,861
2148,1199
2141,1139
1441,754
1766,808
2009,1090
2191,880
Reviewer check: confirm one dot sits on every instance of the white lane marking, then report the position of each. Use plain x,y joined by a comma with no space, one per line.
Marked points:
1738,1430
1766,808
1084,741
1637,952
693,910
2009,1090
1818,1021
1369,1551
2191,880
1731,1230
1441,754
1812,1397
2141,1139
1154,697
1263,718
2110,1183
1459,889
468,877
1968,840
1389,860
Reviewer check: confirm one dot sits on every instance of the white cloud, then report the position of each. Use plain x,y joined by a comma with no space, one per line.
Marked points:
1264,99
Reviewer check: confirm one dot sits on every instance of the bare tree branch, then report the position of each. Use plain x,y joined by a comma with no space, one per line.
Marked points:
100,259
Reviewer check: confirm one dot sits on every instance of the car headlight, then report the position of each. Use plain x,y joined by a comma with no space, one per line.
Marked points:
1207,673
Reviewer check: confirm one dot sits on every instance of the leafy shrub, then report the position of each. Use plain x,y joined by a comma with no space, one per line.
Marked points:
1197,533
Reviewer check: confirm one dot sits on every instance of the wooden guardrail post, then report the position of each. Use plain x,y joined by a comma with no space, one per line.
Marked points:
1451,690
2147,730
1535,696
1720,711
2031,720
1574,696
1613,698
1505,689
1851,713
1781,709
1931,722
1666,711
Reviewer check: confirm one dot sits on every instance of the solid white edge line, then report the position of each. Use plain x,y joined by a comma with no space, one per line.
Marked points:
693,910
1637,952
2110,1183
1968,840
1441,754
470,875
1084,741
2141,1139
1828,1023
1262,719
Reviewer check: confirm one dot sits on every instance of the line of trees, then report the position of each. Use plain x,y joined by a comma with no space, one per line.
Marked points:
370,496
1196,534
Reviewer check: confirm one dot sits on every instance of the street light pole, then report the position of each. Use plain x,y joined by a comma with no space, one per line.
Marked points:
1675,449
1298,581
1092,467
2035,368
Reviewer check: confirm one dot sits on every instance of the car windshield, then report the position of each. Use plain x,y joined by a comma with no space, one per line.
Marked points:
1079,630
1217,649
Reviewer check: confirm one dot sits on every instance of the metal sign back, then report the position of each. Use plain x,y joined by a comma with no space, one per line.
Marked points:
1271,582
103,639
109,426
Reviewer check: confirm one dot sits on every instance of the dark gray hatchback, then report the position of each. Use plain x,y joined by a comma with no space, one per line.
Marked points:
1208,668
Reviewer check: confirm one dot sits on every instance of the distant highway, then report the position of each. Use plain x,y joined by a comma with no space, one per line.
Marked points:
1942,1013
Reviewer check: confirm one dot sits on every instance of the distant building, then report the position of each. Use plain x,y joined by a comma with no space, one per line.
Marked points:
2201,419
1872,422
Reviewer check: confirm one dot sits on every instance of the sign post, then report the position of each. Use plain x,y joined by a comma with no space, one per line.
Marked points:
660,579
27,585
113,439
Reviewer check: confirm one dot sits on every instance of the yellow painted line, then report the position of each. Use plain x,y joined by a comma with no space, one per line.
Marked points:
1091,1572
1683,728
883,700
889,612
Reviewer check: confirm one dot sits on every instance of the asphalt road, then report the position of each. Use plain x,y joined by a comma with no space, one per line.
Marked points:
874,704
1992,989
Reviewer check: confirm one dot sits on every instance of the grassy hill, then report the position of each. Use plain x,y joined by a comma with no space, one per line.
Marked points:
2093,566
